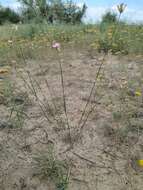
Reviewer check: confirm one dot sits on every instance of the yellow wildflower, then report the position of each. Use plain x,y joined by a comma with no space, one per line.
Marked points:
137,93
140,163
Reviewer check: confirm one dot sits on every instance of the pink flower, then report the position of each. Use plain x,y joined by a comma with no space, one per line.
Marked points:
56,45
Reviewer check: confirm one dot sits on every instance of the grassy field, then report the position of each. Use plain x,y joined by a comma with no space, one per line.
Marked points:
128,39
71,107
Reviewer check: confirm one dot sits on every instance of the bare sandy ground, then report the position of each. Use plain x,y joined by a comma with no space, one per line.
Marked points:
98,160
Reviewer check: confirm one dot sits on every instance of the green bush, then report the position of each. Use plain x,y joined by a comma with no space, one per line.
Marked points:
54,12
109,17
8,15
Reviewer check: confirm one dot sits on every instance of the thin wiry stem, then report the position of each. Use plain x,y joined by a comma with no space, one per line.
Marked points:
94,84
91,92
35,94
87,116
49,106
51,93
41,104
64,98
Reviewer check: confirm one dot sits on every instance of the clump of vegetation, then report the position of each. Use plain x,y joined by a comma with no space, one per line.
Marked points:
110,38
44,11
55,11
109,17
15,102
48,167
8,15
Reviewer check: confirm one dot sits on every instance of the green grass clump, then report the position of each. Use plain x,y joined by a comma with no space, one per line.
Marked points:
15,102
48,167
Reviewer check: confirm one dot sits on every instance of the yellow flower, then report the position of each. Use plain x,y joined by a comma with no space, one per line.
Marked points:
137,93
140,163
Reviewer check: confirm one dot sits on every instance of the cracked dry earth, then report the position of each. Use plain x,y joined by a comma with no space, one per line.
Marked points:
98,160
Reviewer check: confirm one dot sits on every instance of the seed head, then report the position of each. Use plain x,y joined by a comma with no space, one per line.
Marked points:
121,7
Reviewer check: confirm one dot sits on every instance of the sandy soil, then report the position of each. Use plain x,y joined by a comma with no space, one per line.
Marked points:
98,160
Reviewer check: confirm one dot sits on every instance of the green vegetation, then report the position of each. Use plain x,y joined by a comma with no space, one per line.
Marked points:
8,15
45,62
16,102
109,17
59,21
52,11
47,167
35,37
47,11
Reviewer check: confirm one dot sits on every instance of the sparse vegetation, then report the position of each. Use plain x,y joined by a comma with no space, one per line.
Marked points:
48,167
71,100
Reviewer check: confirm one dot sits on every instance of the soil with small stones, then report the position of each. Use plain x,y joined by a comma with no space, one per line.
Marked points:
98,159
